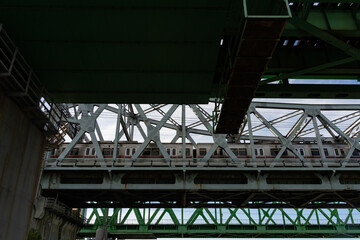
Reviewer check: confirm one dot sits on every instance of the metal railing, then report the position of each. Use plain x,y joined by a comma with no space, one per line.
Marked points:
243,163
61,209
20,83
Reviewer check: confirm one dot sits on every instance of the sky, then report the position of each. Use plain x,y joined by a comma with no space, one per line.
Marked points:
107,120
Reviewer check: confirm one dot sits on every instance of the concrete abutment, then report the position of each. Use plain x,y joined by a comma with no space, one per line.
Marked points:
21,155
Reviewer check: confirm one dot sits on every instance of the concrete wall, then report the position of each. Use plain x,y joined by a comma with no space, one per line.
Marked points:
53,227
52,223
21,153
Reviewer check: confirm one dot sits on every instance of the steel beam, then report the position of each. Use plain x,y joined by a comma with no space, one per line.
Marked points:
232,222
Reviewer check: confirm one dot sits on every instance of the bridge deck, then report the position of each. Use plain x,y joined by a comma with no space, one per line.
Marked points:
152,183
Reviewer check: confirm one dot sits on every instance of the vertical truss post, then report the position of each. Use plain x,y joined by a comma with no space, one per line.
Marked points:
251,137
183,131
116,140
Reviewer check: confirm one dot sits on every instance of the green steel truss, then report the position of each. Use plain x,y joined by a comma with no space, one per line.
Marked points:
223,222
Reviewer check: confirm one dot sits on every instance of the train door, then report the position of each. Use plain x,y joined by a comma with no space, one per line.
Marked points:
300,151
194,153
87,152
339,152
259,152
172,152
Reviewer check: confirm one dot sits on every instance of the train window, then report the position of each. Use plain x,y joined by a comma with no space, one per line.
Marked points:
87,152
174,151
300,151
242,152
187,151
315,152
202,151
106,151
151,152
339,152
356,153
52,152
127,153
155,152
168,150
275,151
133,151
235,151
259,152
74,152
326,152
219,152
147,152
93,151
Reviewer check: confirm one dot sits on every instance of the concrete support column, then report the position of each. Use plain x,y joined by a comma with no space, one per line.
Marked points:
21,153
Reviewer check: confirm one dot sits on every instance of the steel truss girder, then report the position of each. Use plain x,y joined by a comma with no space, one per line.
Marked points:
199,187
232,222
255,177
298,108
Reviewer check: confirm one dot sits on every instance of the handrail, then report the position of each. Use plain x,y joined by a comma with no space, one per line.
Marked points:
60,208
20,83
215,163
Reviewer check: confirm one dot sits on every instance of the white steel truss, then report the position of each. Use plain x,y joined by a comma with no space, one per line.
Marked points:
200,181
308,123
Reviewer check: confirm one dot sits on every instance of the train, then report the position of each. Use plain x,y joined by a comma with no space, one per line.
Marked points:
265,151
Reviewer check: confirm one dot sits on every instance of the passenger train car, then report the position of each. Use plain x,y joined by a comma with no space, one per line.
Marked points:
265,152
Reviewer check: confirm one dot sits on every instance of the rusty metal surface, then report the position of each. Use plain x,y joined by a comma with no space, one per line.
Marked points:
21,151
258,42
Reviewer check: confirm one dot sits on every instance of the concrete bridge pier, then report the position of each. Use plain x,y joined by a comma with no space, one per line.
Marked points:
55,221
21,155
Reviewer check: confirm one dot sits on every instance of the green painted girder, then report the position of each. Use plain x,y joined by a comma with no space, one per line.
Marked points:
329,91
319,43
321,62
341,21
235,222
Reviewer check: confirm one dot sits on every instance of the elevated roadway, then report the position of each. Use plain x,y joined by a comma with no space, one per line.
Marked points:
187,52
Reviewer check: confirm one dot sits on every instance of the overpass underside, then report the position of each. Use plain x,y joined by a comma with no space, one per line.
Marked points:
188,53
183,52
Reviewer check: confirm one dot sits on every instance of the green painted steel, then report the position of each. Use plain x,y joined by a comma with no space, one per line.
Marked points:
167,51
221,222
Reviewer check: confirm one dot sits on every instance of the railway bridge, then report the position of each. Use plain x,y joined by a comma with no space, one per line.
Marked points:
292,171
132,58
